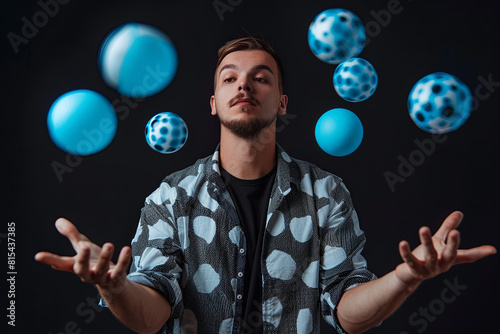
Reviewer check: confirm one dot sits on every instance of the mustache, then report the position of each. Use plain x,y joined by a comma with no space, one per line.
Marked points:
240,96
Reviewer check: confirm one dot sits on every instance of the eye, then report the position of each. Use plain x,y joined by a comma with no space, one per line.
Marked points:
261,80
229,80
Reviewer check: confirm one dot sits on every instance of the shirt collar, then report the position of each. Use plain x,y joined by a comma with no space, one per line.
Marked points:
284,171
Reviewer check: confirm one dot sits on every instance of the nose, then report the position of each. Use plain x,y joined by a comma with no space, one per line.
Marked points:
244,85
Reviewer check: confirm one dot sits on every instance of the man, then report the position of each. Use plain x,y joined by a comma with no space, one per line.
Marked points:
250,240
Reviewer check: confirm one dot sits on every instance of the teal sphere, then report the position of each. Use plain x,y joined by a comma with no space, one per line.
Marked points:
137,60
339,132
82,122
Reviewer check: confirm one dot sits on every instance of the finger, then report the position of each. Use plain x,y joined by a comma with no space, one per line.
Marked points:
407,256
450,250
123,263
102,267
69,230
450,223
474,254
81,267
430,254
64,263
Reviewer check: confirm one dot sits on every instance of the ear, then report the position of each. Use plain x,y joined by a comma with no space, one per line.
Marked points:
212,105
283,104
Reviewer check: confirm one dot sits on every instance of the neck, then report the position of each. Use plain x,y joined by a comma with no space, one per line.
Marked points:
248,159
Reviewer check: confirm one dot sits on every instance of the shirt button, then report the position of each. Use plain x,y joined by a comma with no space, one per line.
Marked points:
240,274
239,296
242,251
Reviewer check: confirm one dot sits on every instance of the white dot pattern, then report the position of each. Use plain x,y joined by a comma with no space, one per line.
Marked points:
190,247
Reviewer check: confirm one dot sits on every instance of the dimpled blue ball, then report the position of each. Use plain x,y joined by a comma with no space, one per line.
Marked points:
339,132
166,132
355,80
336,35
137,60
439,103
82,122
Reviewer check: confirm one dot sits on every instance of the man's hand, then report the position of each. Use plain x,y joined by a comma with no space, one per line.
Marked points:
91,262
139,307
437,253
366,305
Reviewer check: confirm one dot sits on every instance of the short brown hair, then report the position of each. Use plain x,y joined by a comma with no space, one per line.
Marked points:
247,44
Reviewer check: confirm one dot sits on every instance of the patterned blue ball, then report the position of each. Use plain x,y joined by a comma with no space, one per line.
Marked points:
166,132
439,103
336,35
137,60
355,80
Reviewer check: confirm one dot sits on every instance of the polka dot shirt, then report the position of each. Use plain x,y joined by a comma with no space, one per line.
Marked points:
190,247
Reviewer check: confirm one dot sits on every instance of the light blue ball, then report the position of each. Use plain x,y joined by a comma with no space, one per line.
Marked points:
336,35
355,80
82,122
439,103
339,132
137,60
166,132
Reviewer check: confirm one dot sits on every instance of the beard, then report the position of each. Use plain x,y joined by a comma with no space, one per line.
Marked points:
247,129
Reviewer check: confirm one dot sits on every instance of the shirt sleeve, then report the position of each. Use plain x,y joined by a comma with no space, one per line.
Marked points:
156,249
342,266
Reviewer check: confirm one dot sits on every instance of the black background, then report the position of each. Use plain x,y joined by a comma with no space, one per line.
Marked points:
103,193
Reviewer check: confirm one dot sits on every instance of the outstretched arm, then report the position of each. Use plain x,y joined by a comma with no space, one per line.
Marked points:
368,304
139,307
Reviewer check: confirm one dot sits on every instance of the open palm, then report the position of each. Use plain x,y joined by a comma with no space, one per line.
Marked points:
438,252
91,262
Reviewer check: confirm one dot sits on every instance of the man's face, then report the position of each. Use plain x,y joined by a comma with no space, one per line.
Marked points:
247,97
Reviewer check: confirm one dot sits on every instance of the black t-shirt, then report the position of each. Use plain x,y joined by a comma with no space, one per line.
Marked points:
251,198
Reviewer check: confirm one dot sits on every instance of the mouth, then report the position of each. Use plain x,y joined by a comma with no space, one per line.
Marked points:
244,102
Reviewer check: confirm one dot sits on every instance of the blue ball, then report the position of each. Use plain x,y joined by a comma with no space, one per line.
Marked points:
82,122
166,132
336,35
339,132
137,60
439,103
355,80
